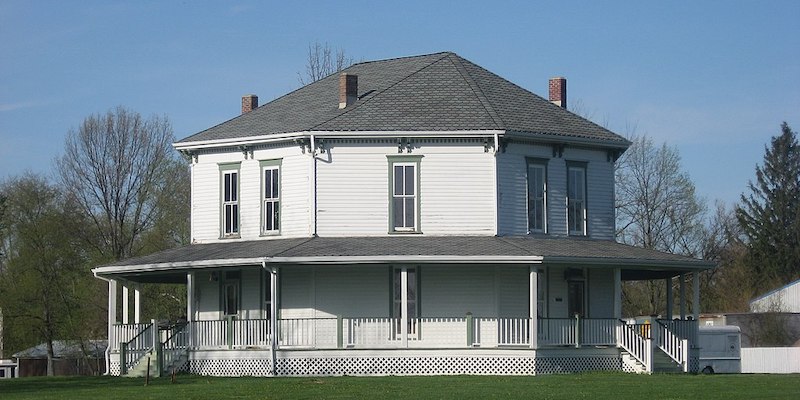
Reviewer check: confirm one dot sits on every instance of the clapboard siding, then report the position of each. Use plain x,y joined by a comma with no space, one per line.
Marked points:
352,190
512,187
296,292
599,190
601,286
206,296
358,292
456,190
455,291
557,293
513,291
295,193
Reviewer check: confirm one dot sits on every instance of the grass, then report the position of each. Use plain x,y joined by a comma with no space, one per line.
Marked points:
575,386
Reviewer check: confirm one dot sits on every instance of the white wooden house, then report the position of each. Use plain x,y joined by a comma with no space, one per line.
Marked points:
418,215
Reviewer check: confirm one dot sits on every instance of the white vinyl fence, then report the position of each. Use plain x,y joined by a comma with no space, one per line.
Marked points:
770,360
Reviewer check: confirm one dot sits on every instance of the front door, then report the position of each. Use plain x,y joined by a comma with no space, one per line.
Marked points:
576,298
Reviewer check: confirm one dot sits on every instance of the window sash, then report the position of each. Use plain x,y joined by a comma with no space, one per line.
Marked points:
230,203
404,198
537,197
271,200
576,201
397,303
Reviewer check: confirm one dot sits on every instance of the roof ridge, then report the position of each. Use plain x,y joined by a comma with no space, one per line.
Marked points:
487,105
401,58
376,95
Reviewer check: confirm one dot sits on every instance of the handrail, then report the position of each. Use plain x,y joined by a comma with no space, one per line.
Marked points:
173,346
673,345
132,351
631,340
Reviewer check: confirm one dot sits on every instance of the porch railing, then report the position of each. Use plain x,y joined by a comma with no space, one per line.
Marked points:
672,344
173,347
134,350
122,333
428,332
631,339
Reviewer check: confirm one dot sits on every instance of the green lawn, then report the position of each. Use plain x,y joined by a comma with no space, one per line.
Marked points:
577,386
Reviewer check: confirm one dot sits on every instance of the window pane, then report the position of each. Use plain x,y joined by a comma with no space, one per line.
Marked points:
398,180
227,187
227,219
409,180
268,216
397,286
276,217
235,218
234,183
399,218
267,184
409,212
275,181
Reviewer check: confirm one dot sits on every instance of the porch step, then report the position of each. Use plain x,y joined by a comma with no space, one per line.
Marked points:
632,362
140,370
662,363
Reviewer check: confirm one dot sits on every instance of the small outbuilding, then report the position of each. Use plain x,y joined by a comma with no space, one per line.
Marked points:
71,357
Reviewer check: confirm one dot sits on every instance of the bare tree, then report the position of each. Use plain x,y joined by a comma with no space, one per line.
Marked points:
323,61
657,208
116,167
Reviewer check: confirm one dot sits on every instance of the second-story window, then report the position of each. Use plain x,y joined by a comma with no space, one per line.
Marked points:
576,198
404,191
537,195
271,197
230,200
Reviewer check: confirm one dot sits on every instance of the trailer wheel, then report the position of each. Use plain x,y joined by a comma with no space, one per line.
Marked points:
708,370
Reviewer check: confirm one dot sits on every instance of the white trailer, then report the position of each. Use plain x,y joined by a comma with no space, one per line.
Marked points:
720,349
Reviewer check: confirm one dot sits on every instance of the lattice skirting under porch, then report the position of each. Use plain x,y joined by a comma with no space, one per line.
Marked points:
405,365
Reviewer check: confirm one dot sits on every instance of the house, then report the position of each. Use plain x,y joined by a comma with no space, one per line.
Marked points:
784,299
70,357
417,215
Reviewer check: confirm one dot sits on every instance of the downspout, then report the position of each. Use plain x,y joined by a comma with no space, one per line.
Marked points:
313,188
108,341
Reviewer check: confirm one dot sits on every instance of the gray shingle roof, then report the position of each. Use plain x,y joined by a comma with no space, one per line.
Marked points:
434,92
553,249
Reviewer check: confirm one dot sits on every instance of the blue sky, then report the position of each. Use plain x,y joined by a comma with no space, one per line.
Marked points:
714,78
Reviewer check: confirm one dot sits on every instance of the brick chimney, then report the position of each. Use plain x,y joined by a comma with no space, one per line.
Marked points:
348,89
249,103
558,91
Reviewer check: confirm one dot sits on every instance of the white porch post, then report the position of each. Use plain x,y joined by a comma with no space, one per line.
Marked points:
670,299
696,297
682,277
190,282
617,293
404,306
125,304
137,304
534,300
273,317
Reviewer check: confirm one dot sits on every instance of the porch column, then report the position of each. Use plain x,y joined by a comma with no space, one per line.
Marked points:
137,304
618,293
404,306
682,277
670,299
273,317
190,282
534,311
696,297
125,304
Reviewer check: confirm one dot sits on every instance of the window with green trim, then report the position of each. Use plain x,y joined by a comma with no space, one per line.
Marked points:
230,293
271,199
537,195
576,198
230,200
404,194
397,299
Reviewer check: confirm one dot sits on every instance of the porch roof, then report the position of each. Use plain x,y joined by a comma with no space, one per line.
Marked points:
636,263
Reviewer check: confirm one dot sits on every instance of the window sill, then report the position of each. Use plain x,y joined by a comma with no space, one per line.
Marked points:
236,236
405,232
269,234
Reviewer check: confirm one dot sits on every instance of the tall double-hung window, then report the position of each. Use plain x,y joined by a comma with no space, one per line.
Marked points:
270,197
576,198
537,195
404,194
230,199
